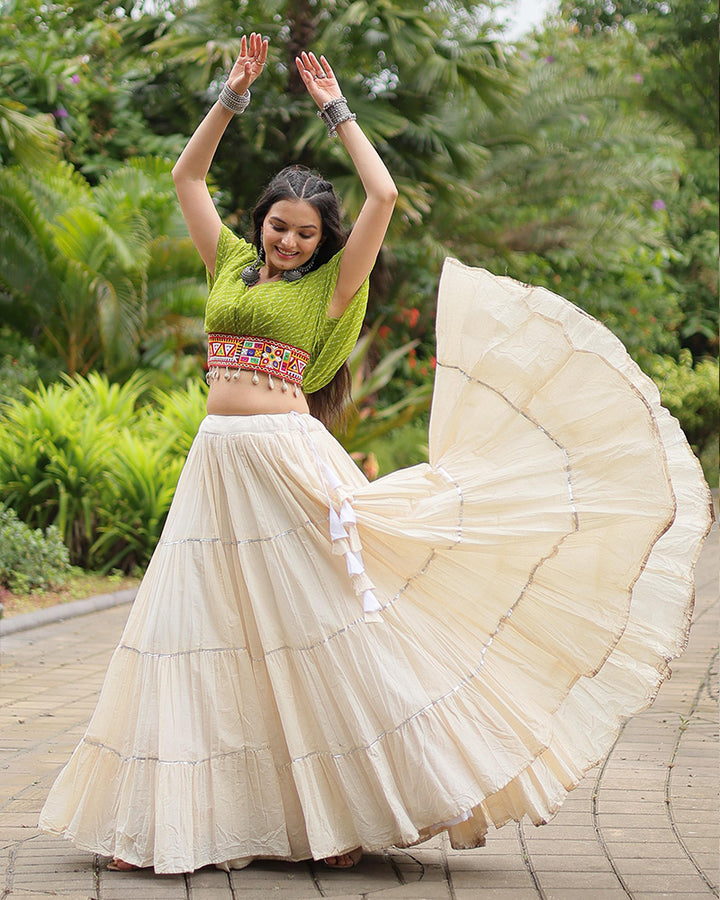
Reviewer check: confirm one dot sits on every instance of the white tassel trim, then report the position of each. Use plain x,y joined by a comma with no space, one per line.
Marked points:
371,607
347,514
330,475
337,531
354,563
345,539
346,542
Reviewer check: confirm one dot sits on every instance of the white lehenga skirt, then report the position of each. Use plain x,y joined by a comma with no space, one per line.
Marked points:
533,581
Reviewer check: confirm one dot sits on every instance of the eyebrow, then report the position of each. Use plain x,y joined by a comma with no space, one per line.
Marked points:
283,222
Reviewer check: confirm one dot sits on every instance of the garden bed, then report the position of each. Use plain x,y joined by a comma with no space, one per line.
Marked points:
79,586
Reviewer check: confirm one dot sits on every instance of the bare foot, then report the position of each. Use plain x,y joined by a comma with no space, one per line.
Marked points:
344,860
119,865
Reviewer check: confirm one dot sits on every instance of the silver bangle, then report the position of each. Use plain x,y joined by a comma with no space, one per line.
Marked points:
236,103
334,112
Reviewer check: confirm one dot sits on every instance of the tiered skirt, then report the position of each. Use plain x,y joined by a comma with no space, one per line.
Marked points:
315,662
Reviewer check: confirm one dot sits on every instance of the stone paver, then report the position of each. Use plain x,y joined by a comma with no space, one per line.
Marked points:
643,824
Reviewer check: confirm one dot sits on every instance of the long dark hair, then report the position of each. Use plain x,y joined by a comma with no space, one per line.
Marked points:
301,183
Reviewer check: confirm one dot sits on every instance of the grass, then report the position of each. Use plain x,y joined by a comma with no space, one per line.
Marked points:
79,586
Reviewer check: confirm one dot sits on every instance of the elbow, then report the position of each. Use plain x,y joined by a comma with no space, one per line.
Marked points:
389,195
181,171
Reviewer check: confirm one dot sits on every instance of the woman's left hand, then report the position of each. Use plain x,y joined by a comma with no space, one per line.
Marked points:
318,78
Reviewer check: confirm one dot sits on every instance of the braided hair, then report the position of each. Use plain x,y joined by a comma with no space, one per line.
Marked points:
300,183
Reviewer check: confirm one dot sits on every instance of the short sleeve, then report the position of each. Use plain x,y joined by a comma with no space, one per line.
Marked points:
334,337
229,247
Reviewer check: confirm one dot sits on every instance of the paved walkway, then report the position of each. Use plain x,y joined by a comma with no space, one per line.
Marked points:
643,824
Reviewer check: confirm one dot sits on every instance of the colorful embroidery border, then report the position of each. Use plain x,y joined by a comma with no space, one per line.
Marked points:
257,354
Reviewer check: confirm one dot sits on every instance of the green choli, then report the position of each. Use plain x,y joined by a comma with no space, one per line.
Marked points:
291,312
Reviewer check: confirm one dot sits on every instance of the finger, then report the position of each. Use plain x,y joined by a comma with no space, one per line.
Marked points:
315,64
327,68
305,73
263,51
243,46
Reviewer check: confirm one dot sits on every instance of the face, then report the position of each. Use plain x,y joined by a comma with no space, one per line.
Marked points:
291,231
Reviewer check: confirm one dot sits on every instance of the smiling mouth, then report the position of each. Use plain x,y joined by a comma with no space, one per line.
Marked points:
284,254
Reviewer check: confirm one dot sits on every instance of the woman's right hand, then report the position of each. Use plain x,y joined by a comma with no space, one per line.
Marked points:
249,64
190,171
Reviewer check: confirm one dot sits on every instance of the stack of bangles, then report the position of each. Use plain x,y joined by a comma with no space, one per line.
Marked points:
333,112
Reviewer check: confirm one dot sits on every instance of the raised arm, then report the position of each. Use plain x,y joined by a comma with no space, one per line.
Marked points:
369,229
190,171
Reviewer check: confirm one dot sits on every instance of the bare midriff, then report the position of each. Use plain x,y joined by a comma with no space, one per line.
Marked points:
240,397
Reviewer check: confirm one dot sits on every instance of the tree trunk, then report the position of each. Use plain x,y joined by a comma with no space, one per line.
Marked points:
303,29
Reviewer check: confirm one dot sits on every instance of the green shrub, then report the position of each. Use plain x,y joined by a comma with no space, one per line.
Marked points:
54,458
691,394
30,559
139,490
179,415
18,365
402,447
63,453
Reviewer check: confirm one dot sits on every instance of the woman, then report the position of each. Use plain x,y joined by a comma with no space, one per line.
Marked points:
315,665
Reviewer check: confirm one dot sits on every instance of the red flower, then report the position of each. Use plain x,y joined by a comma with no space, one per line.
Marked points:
384,331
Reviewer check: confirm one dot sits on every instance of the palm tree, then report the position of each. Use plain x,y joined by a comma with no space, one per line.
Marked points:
571,172
407,69
27,139
82,268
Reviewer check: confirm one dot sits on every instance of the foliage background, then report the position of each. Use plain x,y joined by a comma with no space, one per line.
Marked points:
582,158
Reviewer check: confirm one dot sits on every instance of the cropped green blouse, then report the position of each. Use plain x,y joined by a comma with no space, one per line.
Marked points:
291,312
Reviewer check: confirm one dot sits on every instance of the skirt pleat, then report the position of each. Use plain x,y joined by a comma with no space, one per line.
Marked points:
314,662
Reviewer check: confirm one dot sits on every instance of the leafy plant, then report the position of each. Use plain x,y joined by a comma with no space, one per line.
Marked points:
690,392
99,273
30,559
18,365
364,422
54,454
179,414
140,488
88,457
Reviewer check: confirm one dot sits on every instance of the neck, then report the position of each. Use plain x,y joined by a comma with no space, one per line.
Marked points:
269,273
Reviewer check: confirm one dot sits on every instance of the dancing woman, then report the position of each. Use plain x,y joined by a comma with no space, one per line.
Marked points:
316,665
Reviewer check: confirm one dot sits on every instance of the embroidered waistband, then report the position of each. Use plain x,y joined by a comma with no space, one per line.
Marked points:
274,358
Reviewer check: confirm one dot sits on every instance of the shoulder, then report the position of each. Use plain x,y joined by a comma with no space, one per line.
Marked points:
233,254
324,278
231,247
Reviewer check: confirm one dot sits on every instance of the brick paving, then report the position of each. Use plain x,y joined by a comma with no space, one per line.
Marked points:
644,824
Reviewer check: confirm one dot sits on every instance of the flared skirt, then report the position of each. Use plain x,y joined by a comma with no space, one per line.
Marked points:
315,662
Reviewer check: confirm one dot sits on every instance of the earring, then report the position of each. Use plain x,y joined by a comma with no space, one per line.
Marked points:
251,274
296,274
